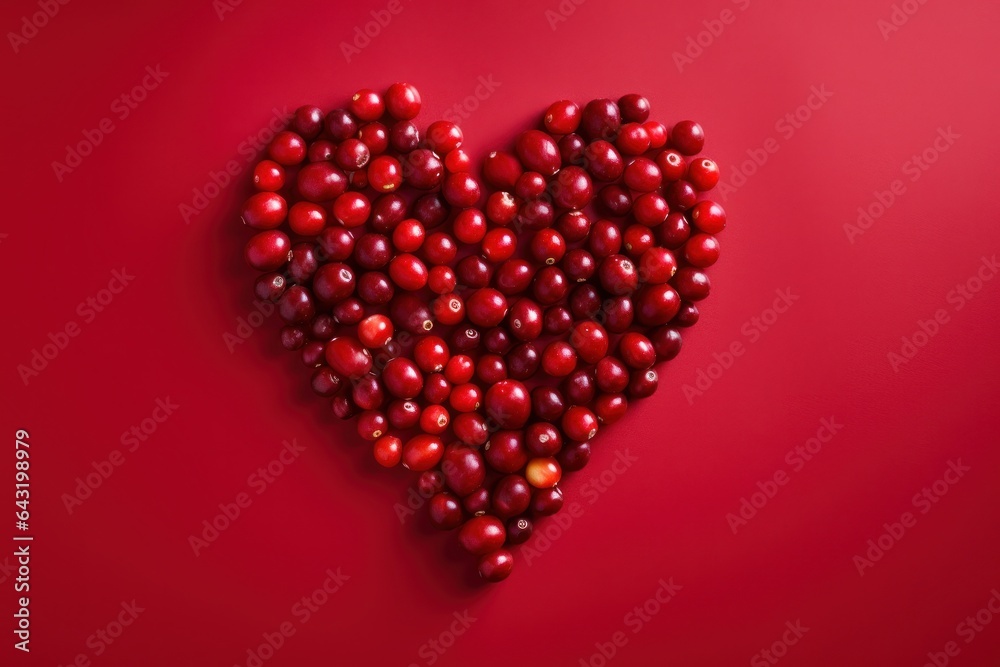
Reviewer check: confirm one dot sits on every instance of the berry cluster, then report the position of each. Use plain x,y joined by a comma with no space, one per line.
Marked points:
483,346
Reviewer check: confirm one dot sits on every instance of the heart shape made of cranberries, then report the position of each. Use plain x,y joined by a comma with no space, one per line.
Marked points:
482,339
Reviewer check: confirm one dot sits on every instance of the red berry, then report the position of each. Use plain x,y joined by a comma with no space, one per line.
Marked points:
562,117
402,101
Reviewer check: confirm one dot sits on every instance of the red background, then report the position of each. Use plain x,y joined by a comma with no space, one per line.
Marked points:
663,518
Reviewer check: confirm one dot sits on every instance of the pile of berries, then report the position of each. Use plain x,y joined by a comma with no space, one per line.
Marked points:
481,338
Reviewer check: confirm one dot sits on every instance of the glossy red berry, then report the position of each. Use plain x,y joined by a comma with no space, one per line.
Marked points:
402,101
482,534
687,137
562,117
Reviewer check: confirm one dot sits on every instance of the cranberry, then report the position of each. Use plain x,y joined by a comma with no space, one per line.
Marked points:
508,403
268,250
530,185
615,200
575,456
482,534
681,195
387,211
634,108
535,214
609,408
547,403
352,155
337,243
367,105
603,161
486,307
590,341
708,217
505,451
687,315
431,209
469,226
343,407
333,282
543,439
511,496
691,284
618,275
287,148
584,302
264,210
306,218
525,319
643,383
439,248
402,101
501,208
434,419
499,245
519,530
572,188
408,235
323,327
444,136
633,139
687,137
502,170
491,368
375,136
637,240
268,176
470,428
513,276
703,174
543,473
558,359
445,511
537,151
422,452
657,265
371,425
341,125
351,209
367,393
571,148
579,387
270,286
642,175
657,133
477,502
308,121
461,190
557,321
448,309
466,397
497,341
550,286
701,250
666,342
465,340
457,160
403,414
388,451
423,169
636,350
321,150
612,375
436,388
579,265
656,304
374,287
546,501
523,361
675,231
579,423
463,468
441,280
402,378
605,239
348,357
303,263
562,117
600,120
574,226
313,354
408,272
672,165
404,136
375,331
325,382
385,174
349,311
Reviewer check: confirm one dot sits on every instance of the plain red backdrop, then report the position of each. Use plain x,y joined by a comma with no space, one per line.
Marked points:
665,516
